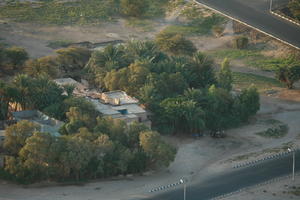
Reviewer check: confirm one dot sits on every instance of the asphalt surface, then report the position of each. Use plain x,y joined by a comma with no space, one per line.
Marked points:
256,13
234,180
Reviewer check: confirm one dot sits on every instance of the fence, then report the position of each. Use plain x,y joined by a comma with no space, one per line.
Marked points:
278,4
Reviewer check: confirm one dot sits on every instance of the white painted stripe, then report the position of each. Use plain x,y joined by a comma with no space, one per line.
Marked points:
285,18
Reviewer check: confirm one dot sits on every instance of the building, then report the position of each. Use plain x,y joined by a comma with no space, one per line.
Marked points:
118,105
46,123
117,98
115,104
79,88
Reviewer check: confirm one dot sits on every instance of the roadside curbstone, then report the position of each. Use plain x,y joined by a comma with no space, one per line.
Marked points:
285,18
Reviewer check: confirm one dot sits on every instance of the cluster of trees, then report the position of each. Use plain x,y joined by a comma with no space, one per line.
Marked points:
111,148
176,83
294,6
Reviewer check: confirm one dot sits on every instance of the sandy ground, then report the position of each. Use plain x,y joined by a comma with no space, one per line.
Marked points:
34,38
196,158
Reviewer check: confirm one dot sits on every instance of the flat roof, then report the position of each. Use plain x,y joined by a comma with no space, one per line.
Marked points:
63,81
124,98
131,108
103,108
69,81
113,111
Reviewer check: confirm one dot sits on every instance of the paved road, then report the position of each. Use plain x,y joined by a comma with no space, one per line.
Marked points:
234,180
256,13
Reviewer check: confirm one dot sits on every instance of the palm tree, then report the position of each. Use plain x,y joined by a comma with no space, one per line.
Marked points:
42,66
193,116
110,58
22,83
144,50
201,68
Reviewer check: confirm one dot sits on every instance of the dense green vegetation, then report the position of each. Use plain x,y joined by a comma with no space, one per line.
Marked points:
110,149
182,88
184,93
91,146
32,93
80,11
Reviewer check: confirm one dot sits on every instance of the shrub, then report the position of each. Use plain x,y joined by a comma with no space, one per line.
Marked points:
275,132
175,44
240,42
218,30
133,8
288,75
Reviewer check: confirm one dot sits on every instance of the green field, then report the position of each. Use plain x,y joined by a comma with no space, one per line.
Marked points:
72,12
252,58
262,83
55,12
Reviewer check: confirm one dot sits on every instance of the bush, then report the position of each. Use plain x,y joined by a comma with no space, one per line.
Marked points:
275,132
240,42
218,30
175,44
133,8
288,75
59,44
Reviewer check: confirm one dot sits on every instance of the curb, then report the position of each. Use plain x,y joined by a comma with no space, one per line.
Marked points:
285,18
268,34
160,188
263,159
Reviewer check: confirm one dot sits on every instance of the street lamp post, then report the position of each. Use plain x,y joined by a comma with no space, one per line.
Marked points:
271,5
290,150
184,188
